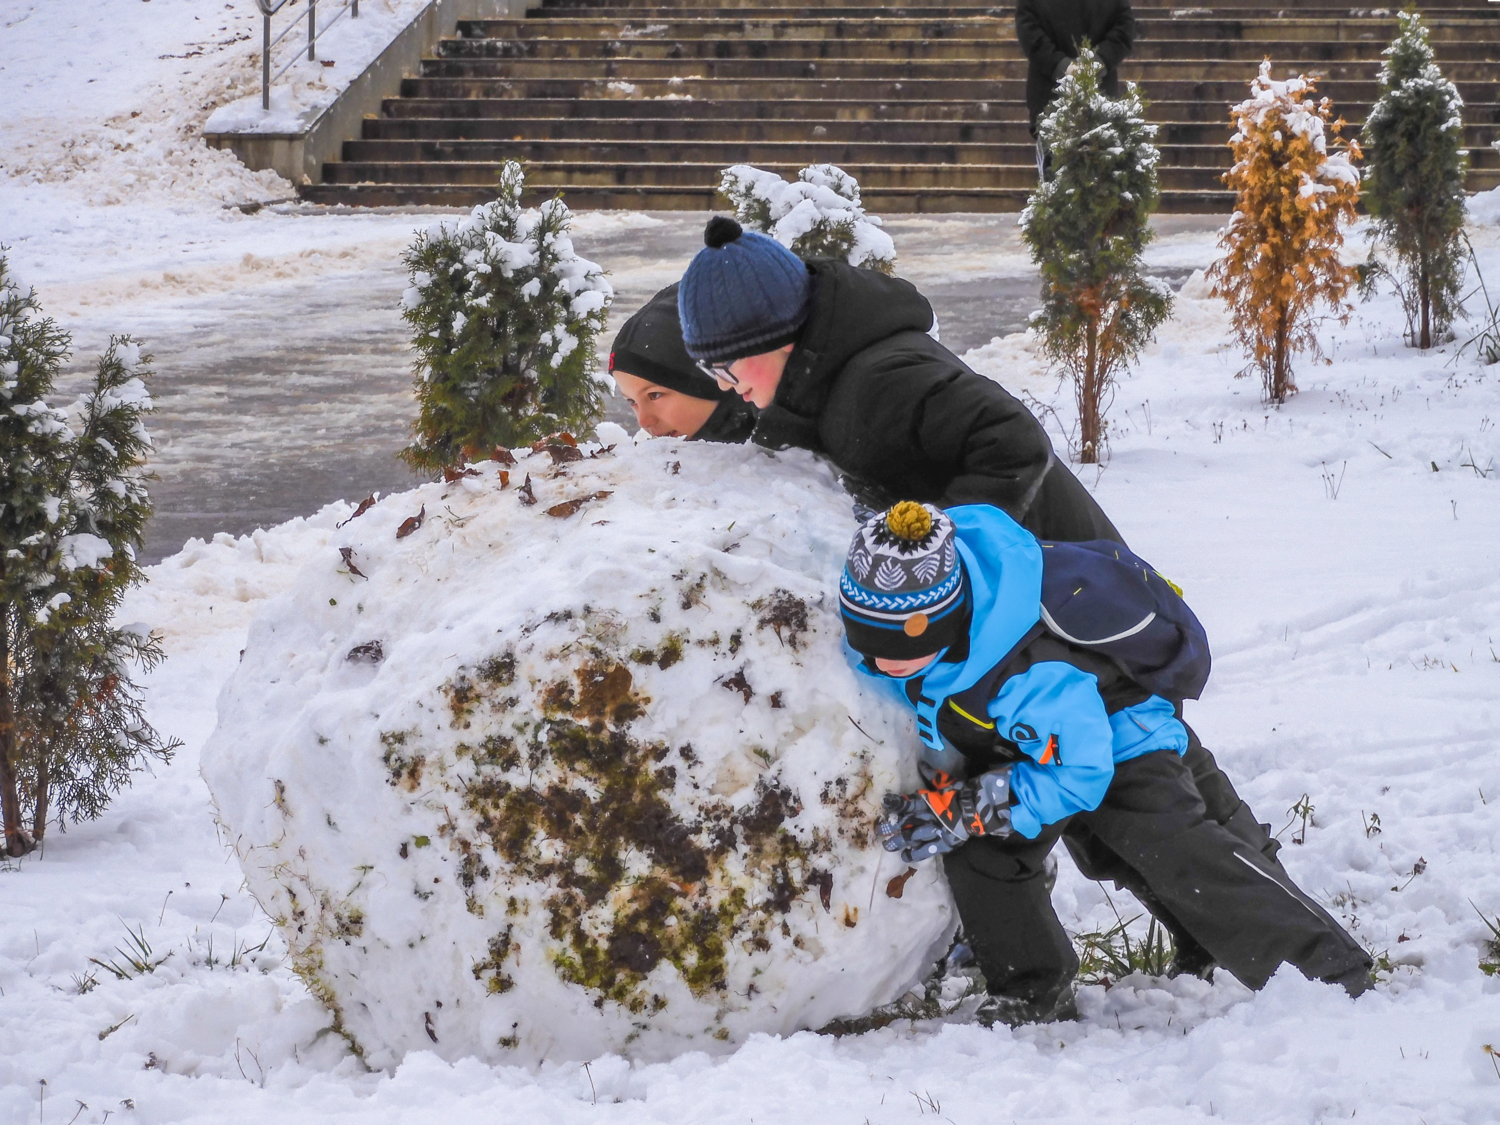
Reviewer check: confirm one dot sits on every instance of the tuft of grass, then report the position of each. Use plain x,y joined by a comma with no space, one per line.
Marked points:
1106,956
1489,957
137,956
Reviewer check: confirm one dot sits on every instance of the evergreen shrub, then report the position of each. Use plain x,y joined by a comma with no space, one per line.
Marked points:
73,508
1414,181
1086,229
504,317
1283,243
818,215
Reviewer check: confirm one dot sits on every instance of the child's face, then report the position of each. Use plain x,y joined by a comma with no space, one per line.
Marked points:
900,669
661,411
759,376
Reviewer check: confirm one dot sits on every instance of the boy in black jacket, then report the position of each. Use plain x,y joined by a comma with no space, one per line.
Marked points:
839,361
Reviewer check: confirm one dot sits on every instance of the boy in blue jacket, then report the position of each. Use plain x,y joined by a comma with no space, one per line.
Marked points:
1026,729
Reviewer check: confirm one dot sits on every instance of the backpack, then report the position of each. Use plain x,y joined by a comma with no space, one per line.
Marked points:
1102,597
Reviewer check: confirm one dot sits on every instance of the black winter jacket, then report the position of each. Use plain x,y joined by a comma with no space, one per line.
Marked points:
1051,31
905,419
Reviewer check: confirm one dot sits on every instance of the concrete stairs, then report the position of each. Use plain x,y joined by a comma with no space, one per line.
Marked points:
641,105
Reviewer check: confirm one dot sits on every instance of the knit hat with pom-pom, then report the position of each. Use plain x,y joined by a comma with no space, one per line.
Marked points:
743,294
902,594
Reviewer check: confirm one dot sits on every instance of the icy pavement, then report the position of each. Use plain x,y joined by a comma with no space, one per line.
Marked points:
283,366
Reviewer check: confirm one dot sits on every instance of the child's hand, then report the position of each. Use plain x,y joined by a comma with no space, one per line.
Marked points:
934,821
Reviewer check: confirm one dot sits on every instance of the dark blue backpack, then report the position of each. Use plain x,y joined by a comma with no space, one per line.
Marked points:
1101,596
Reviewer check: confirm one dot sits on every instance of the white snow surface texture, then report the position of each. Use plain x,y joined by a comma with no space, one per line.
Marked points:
701,773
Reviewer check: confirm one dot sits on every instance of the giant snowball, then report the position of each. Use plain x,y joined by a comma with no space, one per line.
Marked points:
582,768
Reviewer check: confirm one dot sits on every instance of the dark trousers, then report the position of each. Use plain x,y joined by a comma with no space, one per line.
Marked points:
1215,882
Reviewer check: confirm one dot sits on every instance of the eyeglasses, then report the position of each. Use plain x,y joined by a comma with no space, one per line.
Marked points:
719,371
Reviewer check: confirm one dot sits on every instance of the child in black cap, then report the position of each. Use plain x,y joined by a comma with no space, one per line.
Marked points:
671,397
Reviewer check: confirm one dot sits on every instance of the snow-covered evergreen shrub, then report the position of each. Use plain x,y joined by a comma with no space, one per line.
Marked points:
819,215
1086,229
73,506
503,314
581,775
1281,247
1414,180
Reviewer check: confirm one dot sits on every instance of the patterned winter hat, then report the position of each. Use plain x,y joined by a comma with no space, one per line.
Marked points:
902,594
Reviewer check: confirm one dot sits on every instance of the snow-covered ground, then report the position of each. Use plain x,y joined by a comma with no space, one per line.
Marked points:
1352,610
1343,551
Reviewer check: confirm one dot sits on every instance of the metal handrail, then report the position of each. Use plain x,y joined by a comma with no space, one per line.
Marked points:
269,9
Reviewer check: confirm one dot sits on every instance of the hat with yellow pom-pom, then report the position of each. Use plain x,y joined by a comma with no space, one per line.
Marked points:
902,594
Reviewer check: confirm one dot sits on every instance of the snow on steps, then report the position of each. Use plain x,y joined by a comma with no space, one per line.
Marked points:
584,776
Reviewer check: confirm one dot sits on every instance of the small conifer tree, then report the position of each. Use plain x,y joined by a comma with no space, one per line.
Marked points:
819,215
73,508
1281,247
1414,179
1086,229
504,315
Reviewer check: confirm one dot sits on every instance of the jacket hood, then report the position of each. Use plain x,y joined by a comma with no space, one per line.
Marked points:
849,309
1003,563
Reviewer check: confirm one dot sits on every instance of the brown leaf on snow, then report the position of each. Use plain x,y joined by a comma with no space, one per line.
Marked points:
562,454
524,493
601,452
347,554
504,479
411,523
823,880
570,507
737,682
364,506
894,888
452,473
371,652
562,438
504,456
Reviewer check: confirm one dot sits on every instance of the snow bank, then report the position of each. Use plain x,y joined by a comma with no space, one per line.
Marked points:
582,776
310,86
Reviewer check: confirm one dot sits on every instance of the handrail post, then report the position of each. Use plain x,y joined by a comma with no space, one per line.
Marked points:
265,61
312,30
354,9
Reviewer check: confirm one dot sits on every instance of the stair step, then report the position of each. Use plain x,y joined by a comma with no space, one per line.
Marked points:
1478,75
774,90
1012,109
685,51
947,26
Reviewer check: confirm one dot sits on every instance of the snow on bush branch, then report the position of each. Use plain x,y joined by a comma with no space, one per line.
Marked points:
504,314
73,482
1282,245
819,215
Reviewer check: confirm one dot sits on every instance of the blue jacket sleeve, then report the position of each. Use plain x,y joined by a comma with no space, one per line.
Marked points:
1053,712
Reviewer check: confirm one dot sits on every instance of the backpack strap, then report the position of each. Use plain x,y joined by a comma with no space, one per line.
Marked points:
970,706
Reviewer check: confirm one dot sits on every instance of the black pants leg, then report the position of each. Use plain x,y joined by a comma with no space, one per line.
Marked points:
1006,910
1241,906
1221,804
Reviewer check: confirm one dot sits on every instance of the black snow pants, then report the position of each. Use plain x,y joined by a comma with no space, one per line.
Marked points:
1215,886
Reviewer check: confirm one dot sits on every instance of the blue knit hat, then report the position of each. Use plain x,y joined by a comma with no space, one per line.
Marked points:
743,294
902,593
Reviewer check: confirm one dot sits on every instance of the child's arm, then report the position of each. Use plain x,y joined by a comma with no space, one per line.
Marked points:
1054,713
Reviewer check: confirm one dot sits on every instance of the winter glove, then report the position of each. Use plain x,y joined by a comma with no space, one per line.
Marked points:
934,821
1063,69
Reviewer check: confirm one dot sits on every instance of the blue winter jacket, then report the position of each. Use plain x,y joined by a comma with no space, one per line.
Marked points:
1052,711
